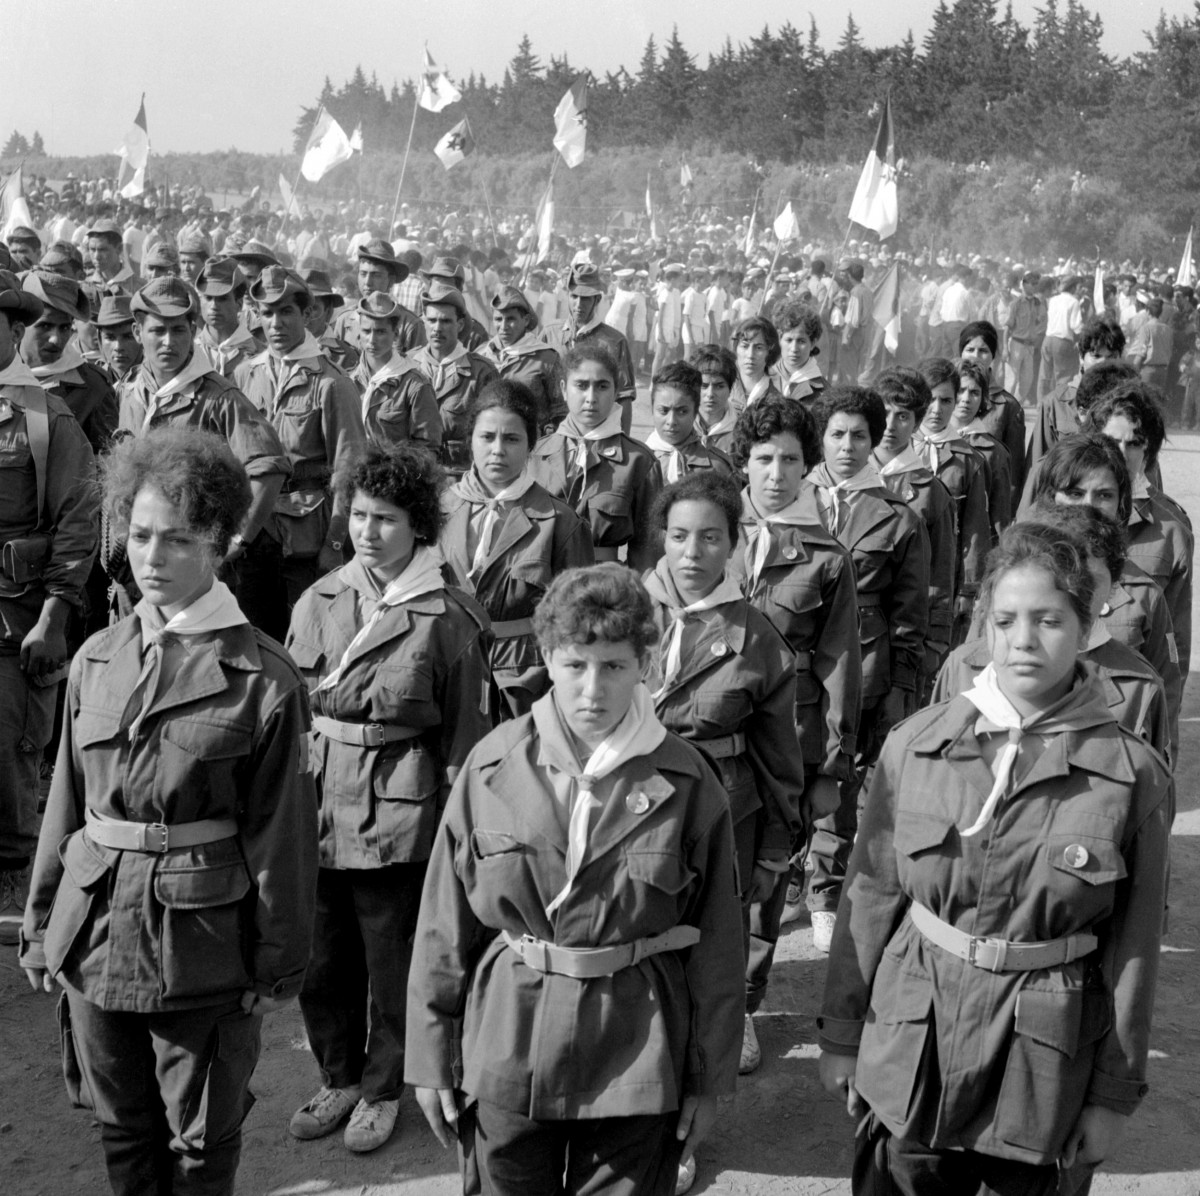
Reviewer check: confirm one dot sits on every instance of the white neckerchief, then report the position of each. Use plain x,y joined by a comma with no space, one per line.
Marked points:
726,423
198,365
581,437
932,443
909,461
637,734
394,367
1098,635
806,373
17,373
212,611
837,494
1141,486
661,586
422,575
71,359
671,455
441,372
574,335
472,490
283,367
758,542
527,344
760,388
222,352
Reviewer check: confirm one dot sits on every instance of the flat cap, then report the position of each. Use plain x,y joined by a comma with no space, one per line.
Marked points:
438,292
169,296
108,229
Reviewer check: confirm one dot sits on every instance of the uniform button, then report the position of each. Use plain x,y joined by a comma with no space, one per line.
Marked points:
790,553
1076,856
637,803
719,649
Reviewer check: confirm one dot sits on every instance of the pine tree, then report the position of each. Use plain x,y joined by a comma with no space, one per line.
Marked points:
15,147
37,147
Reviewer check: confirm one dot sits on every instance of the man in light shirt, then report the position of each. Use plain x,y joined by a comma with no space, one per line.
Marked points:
957,309
1064,322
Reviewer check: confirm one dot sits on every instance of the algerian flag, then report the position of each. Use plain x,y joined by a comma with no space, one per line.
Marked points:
356,138
886,308
437,92
545,224
875,204
650,210
456,144
1186,275
14,211
135,153
327,146
787,227
289,197
570,123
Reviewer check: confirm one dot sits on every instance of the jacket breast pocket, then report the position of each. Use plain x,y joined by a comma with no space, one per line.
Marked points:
298,423
531,574
611,519
653,892
308,658
201,949
720,712
202,757
1049,1064
916,833
403,695
84,886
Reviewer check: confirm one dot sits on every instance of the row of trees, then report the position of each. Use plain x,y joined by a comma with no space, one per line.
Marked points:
18,146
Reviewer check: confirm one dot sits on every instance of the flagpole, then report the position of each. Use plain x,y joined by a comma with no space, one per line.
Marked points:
404,165
491,218
529,260
287,210
774,263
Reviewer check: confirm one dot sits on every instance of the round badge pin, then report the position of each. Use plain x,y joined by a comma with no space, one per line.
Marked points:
1076,856
637,803
718,649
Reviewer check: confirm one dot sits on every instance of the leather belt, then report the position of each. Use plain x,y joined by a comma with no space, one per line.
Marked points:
999,955
724,747
157,837
509,629
589,963
368,735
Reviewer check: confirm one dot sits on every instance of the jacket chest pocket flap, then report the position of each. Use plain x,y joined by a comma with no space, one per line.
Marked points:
1091,860
915,833
208,739
662,870
610,514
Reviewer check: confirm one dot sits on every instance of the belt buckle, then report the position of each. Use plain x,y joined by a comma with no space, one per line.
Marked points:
373,735
162,836
993,960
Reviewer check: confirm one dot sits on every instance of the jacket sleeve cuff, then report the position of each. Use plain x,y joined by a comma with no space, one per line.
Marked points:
1121,1096
31,954
282,990
838,1036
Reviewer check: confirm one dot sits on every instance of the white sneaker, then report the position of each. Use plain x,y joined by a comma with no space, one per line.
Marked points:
686,1176
793,905
323,1114
823,923
371,1125
751,1051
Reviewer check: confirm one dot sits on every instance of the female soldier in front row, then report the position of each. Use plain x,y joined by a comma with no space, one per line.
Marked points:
397,665
575,998
992,975
172,894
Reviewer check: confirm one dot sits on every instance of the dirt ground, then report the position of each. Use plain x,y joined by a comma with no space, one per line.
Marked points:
781,1136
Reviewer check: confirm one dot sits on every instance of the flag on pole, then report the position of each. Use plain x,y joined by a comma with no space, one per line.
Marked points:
356,138
570,123
544,222
327,146
289,197
787,227
748,248
886,311
456,144
650,210
135,153
14,210
437,92
875,204
1186,274
685,175
1098,291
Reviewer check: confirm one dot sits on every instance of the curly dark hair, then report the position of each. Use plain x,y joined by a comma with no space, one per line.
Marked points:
404,475
1104,376
706,485
715,359
1137,402
977,374
798,314
194,471
772,417
1058,551
604,603
763,325
681,377
1101,335
1072,459
852,400
1105,538
507,395
905,387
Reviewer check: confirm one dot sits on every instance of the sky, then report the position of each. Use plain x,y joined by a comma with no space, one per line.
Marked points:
235,73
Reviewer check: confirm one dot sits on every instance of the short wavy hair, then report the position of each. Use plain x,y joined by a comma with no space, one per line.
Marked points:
1071,459
706,485
589,351
772,417
763,325
905,387
505,394
404,475
600,603
852,400
194,471
680,376
1105,538
715,359
978,375
1137,402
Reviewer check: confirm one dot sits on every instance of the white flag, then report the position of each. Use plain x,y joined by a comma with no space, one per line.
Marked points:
787,227
685,175
356,138
14,210
875,203
570,123
650,211
545,224
1186,276
748,248
327,146
456,144
289,197
135,153
1098,291
437,92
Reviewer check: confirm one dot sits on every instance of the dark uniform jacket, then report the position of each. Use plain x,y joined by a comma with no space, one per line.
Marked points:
469,375
563,338
400,408
410,334
89,394
532,363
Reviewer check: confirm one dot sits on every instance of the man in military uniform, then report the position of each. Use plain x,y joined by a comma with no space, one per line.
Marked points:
314,407
325,301
47,542
119,347
518,354
223,334
194,250
457,375
177,385
104,246
379,270
449,271
161,260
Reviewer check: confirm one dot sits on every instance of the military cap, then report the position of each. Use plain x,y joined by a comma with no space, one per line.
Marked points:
16,302
319,286
59,292
114,310
437,291
162,253
24,235
254,253
673,268
277,283
379,306
378,250
218,276
195,244
108,229
167,296
444,267
508,297
585,280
